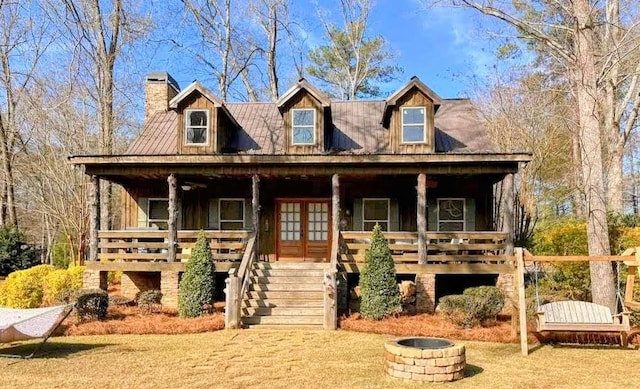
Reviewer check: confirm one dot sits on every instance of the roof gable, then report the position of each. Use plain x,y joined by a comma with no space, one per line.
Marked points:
414,83
195,86
303,84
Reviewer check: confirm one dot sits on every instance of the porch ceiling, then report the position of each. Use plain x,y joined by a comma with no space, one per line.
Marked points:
119,167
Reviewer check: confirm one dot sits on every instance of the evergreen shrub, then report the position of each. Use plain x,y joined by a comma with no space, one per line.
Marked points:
380,295
197,286
149,300
15,253
474,307
92,304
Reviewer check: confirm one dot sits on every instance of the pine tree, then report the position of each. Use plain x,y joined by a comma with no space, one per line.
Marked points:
198,281
380,296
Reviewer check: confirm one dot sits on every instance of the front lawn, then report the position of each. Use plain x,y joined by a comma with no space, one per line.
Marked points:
296,359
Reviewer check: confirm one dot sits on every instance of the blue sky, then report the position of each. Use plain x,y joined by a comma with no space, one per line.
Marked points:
444,47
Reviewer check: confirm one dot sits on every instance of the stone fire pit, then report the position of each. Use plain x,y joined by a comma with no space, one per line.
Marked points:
425,359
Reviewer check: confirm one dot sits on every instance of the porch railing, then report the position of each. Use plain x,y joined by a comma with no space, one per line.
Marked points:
152,245
442,247
237,283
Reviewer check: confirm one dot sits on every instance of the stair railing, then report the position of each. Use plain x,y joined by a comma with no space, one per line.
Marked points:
237,283
331,284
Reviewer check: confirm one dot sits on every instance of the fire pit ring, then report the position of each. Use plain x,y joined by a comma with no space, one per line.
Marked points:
425,359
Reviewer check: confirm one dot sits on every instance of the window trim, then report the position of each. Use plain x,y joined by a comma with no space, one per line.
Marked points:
244,212
313,127
424,125
149,219
464,212
187,126
388,221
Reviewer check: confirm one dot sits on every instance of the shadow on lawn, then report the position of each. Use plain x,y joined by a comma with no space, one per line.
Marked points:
472,370
51,349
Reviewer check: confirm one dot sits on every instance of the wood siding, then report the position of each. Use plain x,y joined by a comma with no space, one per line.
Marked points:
304,100
413,98
198,101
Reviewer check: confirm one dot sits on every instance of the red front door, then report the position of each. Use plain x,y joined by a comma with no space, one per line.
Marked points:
303,232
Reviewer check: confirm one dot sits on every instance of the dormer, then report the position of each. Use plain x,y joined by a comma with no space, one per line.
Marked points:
409,115
306,115
204,122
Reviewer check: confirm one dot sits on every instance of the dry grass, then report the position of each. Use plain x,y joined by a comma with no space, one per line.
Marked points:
129,320
295,359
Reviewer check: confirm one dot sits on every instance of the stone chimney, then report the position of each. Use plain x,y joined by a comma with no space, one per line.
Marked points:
160,88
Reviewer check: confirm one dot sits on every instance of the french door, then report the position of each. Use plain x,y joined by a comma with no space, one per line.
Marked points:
303,229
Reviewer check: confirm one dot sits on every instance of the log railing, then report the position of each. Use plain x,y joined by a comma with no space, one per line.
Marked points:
237,283
153,246
442,247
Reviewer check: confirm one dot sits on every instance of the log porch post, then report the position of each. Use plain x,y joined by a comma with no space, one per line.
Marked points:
172,240
507,222
255,206
335,216
330,274
422,218
95,218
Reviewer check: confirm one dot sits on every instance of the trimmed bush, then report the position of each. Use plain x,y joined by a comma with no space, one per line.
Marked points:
197,286
149,300
474,307
24,288
92,304
15,253
61,286
380,293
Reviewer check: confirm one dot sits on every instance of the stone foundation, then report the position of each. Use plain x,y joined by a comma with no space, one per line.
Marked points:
133,282
506,283
425,293
94,279
425,365
169,282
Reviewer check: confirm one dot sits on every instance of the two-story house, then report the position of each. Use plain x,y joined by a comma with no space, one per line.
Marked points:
295,186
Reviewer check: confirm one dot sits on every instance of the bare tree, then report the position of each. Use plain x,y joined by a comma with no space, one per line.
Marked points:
568,34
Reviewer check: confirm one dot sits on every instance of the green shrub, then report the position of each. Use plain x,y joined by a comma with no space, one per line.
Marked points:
15,254
61,254
24,288
380,295
197,286
475,306
92,304
149,300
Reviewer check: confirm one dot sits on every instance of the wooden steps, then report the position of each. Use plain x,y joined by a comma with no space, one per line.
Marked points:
285,295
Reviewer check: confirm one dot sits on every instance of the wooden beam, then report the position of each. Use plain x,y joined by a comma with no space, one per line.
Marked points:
335,217
221,267
422,218
449,268
95,218
172,240
255,206
631,280
522,304
507,222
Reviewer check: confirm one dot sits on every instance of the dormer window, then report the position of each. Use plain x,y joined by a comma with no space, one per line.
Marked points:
414,127
196,129
303,126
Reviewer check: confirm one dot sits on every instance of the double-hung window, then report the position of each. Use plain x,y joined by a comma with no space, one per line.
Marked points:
231,214
414,126
303,126
375,211
451,214
196,129
158,213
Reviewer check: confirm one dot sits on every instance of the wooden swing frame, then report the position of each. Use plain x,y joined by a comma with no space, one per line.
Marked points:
576,319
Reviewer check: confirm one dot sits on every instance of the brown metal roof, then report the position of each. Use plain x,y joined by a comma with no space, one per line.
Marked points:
357,129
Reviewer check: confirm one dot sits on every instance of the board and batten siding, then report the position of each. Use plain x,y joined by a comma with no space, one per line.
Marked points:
198,101
304,100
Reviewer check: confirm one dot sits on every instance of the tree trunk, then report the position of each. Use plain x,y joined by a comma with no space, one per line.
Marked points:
422,218
602,280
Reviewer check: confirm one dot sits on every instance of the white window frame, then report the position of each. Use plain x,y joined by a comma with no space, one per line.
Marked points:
424,125
464,211
150,221
187,126
244,210
388,221
293,126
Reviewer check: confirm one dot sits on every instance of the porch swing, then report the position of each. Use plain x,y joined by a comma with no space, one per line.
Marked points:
582,316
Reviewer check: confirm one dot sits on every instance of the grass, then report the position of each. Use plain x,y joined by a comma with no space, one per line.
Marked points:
295,359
